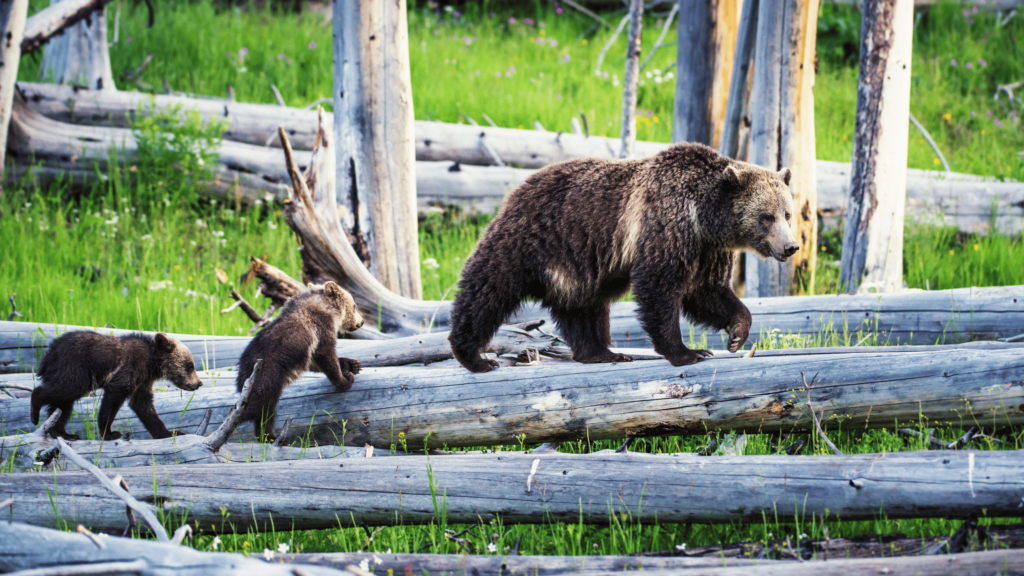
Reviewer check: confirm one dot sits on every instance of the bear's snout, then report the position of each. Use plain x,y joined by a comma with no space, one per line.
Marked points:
789,249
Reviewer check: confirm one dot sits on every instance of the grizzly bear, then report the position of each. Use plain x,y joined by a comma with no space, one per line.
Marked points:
124,366
577,235
303,337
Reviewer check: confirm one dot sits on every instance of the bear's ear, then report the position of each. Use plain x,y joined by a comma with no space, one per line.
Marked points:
333,290
163,343
786,174
737,178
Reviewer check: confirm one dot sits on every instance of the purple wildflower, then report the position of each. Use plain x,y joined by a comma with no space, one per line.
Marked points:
281,56
528,21
974,10
982,63
243,52
542,24
128,40
968,65
511,21
312,45
457,14
967,13
124,292
989,113
554,43
558,10
289,61
953,62
565,59
973,113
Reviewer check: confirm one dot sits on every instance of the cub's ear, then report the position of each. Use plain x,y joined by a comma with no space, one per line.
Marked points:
737,178
786,174
163,343
333,290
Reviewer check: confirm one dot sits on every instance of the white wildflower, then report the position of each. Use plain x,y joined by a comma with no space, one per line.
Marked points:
431,263
377,560
112,221
147,237
268,555
802,536
216,542
272,224
283,548
218,233
491,547
681,547
670,76
389,551
364,565
160,285
200,224
268,197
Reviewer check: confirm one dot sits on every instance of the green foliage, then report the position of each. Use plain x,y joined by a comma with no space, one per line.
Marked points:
838,34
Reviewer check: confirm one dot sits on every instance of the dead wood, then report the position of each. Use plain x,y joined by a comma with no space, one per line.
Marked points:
221,434
53,20
724,489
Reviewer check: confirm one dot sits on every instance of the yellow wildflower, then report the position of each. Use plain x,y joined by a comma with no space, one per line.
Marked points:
977,247
936,161
948,117
189,278
584,41
950,252
543,32
176,267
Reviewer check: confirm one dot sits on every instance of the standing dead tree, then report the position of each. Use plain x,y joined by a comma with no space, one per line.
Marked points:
631,77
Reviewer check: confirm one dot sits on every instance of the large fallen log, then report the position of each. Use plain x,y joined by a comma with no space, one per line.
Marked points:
49,551
53,20
22,345
969,202
971,385
531,489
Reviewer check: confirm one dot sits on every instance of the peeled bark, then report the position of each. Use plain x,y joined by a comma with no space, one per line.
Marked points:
873,238
12,24
538,488
80,56
54,20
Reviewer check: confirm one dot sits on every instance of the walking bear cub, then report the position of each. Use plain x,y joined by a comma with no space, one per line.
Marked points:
578,234
124,366
301,338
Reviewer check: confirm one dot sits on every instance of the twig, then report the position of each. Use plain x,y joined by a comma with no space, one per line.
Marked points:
575,126
538,126
16,386
318,102
117,23
615,36
954,543
128,511
750,353
817,424
132,75
277,95
932,442
468,118
48,424
588,12
586,129
547,447
221,434
664,31
145,511
244,305
357,570
167,86
284,431
14,308
6,503
231,94
624,447
931,142
181,533
490,151
201,430
95,539
489,121
630,78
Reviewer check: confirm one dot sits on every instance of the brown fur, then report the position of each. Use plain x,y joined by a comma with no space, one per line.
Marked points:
301,338
579,234
125,367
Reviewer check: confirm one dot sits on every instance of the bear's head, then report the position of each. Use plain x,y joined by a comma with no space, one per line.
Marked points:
176,363
764,210
350,318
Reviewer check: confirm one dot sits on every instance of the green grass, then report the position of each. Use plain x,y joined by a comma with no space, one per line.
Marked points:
142,255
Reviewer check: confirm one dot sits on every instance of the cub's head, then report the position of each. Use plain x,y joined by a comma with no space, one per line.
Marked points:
350,320
176,362
764,210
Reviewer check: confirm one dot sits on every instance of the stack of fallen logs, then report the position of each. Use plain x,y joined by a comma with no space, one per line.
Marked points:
357,456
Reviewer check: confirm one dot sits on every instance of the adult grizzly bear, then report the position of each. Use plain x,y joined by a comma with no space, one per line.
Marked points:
303,337
578,234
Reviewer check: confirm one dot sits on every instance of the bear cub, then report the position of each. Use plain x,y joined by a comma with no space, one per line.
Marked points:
301,338
577,235
124,366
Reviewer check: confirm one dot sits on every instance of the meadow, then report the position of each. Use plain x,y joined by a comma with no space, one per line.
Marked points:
141,253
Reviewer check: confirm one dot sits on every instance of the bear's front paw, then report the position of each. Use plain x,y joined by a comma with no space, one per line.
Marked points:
482,365
112,436
347,379
349,365
689,357
66,436
739,331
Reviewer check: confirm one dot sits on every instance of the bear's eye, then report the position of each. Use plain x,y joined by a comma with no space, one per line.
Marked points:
191,366
767,219
788,217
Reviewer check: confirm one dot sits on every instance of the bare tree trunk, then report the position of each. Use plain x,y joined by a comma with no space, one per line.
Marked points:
695,72
377,152
729,141
873,239
766,100
80,56
12,25
631,78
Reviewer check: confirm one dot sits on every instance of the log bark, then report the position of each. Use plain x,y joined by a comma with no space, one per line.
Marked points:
873,236
313,494
80,56
630,78
376,159
695,72
52,21
557,400
729,141
53,549
12,26
22,344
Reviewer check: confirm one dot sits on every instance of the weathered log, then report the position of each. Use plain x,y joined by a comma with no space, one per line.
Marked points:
970,202
53,20
22,344
873,236
12,25
538,488
53,549
969,385
374,127
80,56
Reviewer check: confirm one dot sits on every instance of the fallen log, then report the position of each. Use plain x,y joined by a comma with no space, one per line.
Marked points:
553,400
22,345
969,202
531,489
53,20
733,554
56,552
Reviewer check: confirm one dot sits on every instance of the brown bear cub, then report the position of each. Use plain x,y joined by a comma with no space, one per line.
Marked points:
124,366
301,338
578,234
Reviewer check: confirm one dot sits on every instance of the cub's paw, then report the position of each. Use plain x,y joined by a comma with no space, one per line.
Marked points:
689,357
606,358
65,435
739,331
482,365
349,365
111,436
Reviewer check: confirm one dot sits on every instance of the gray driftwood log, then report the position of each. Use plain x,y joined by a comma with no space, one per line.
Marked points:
447,153
971,385
53,549
22,344
314,494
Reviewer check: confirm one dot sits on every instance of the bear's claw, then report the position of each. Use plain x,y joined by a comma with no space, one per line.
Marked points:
606,358
483,365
